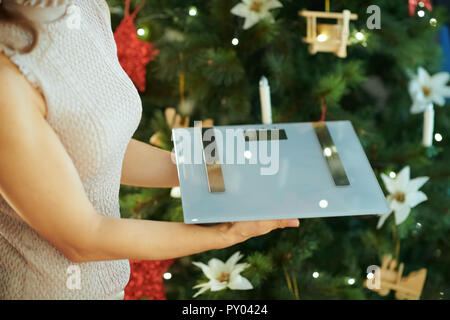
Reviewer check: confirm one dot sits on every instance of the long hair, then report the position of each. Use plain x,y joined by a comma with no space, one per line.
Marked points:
19,20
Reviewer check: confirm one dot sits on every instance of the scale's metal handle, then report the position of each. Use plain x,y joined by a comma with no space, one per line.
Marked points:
331,154
212,161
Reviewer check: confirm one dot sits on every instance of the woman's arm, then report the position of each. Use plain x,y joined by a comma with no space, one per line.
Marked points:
148,166
116,238
38,179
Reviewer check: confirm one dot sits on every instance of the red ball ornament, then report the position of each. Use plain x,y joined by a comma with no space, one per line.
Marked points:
146,280
413,4
133,53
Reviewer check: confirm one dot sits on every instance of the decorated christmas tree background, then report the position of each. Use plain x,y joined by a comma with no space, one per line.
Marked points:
204,59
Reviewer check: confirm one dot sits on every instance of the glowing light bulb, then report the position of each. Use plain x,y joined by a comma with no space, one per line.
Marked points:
235,41
322,37
421,13
315,275
167,275
327,152
247,154
438,137
351,281
192,11
359,36
141,32
433,22
370,276
392,174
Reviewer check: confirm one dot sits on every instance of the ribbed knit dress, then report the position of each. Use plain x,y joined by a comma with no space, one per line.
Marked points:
94,109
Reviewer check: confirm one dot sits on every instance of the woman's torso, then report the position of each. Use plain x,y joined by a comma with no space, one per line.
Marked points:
94,109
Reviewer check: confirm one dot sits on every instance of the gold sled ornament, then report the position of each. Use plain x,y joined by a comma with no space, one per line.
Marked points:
323,37
388,278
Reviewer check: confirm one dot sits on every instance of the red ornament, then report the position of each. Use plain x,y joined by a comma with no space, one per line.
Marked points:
413,4
133,53
146,280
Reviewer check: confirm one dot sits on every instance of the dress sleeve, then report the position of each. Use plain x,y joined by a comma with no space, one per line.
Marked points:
105,9
40,3
39,11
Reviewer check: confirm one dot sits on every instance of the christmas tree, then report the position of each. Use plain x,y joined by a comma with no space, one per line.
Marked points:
211,57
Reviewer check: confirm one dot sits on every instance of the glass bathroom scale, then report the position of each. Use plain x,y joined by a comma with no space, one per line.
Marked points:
276,171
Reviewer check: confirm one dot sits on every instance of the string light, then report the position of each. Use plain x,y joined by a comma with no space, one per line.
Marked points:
351,281
421,4
392,174
417,230
235,41
433,22
322,37
315,275
438,137
247,154
421,13
370,276
167,276
192,11
359,36
141,32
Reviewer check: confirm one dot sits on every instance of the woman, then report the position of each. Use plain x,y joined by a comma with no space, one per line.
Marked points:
67,115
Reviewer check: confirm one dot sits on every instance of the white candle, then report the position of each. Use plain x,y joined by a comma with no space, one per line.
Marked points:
266,106
428,126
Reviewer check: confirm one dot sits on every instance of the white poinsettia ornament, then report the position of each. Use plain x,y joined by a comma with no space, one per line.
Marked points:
255,10
425,89
403,195
223,275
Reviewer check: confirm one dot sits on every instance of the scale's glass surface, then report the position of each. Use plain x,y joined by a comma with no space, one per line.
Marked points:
301,172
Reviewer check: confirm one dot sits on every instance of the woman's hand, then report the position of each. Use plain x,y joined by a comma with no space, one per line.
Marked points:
236,232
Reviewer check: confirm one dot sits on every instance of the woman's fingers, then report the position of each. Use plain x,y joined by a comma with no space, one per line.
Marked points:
281,223
248,229
292,223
